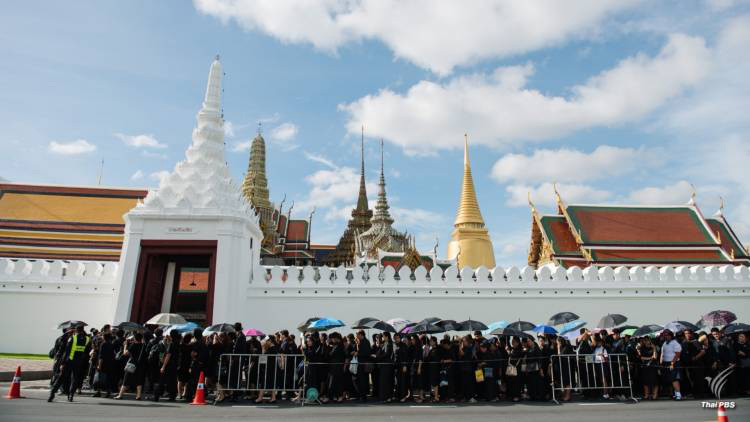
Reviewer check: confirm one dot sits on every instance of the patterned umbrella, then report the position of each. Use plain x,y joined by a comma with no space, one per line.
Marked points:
717,318
398,323
431,320
219,328
306,325
611,321
381,325
471,325
360,324
426,328
562,318
449,325
628,331
544,329
679,326
326,324
252,332
572,326
647,329
182,328
521,326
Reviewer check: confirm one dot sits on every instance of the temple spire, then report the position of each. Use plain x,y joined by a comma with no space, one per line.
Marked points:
362,197
381,208
468,207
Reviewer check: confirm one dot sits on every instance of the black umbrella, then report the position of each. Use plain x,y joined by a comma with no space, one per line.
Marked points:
737,327
522,326
678,326
562,318
70,324
426,328
611,321
717,318
380,325
647,329
471,325
448,325
219,328
508,332
431,320
130,326
360,324
306,325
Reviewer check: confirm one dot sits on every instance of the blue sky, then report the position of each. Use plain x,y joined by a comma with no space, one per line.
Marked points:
618,102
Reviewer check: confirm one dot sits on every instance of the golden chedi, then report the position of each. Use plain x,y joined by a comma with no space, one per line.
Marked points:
470,242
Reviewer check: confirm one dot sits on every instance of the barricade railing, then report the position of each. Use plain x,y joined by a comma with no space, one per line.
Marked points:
580,372
262,372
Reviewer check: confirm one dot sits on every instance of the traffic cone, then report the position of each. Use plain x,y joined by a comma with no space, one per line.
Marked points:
722,415
15,387
200,395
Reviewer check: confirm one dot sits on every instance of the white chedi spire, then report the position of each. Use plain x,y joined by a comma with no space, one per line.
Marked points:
201,184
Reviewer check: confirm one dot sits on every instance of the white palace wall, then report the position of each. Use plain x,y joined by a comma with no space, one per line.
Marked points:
35,295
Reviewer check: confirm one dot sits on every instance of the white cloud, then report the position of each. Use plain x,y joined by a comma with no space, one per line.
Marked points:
151,154
77,147
333,187
543,195
140,141
242,146
138,175
436,35
677,193
159,175
417,219
320,159
498,108
283,135
569,165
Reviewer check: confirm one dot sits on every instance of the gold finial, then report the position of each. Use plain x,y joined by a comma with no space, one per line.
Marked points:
721,204
731,253
466,149
558,199
692,195
531,204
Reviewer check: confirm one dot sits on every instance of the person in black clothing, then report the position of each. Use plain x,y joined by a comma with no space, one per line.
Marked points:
183,364
135,369
154,353
336,362
563,368
448,355
742,348
487,388
586,369
105,366
58,354
362,353
533,375
72,367
119,344
513,370
649,357
267,369
384,359
199,355
466,366
401,367
416,384
168,367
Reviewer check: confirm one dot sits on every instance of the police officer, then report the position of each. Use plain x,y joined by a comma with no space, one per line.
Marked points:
74,362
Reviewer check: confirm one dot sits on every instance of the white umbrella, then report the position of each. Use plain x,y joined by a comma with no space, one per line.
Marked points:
398,323
166,319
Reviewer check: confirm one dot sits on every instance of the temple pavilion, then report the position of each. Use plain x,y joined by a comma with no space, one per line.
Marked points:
615,235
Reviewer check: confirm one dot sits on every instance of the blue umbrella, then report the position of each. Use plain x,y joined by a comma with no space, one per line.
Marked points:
182,328
572,325
326,324
544,329
495,325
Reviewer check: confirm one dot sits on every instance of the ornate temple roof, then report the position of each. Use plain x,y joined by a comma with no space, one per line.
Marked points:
63,222
636,235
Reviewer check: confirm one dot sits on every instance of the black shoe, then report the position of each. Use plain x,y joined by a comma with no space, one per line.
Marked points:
97,394
70,399
51,397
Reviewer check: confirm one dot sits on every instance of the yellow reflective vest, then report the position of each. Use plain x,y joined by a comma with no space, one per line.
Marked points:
76,347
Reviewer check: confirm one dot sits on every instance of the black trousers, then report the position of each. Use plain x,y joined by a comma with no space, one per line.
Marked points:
362,382
402,381
167,383
72,373
468,379
385,382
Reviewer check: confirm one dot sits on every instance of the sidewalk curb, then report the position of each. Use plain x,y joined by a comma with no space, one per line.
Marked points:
26,376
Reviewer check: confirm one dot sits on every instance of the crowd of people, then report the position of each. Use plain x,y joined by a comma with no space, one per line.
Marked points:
386,367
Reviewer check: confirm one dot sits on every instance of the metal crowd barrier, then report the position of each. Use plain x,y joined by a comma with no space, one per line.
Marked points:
256,372
589,372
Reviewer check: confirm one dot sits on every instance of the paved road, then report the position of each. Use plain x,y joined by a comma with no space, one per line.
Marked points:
35,408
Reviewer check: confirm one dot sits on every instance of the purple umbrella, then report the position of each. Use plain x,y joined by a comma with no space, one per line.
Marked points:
716,318
252,332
